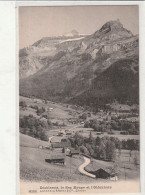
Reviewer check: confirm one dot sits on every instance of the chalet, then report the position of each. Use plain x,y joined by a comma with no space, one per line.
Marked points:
56,160
60,145
105,174
73,120
99,133
60,134
68,133
55,145
71,152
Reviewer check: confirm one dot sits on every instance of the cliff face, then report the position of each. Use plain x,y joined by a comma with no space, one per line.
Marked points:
33,58
77,70
110,48
121,45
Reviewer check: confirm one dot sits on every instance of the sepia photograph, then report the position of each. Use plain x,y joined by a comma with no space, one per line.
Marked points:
79,126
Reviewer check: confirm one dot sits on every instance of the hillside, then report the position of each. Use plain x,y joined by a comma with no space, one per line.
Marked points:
92,70
34,168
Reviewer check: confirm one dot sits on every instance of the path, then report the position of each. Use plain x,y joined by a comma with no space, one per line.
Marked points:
82,166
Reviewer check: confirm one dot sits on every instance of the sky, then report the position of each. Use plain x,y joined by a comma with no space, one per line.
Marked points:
38,22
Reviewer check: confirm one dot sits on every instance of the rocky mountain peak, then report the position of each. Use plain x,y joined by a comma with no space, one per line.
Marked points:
111,25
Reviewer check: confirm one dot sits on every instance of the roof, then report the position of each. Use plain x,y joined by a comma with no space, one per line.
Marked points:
73,150
54,157
111,171
60,144
108,171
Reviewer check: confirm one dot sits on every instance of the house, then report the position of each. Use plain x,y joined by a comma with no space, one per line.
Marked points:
60,134
73,120
56,159
105,174
50,109
71,151
98,133
60,145
68,133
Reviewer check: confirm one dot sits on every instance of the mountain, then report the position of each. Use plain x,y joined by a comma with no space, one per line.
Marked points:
32,58
92,70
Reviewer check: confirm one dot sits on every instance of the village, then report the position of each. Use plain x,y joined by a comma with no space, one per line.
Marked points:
67,124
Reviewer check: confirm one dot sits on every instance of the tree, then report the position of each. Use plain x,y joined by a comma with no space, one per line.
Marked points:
102,152
90,137
87,124
110,150
96,153
89,148
131,144
49,122
78,139
84,150
33,127
63,150
98,141
83,116
135,161
23,104
40,111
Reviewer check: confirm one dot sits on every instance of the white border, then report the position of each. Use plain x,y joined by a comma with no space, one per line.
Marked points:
9,87
7,98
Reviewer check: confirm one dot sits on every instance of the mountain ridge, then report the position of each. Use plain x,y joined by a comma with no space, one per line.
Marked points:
76,66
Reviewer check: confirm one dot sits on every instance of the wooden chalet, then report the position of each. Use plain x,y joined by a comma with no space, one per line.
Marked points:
61,144
56,159
71,152
104,173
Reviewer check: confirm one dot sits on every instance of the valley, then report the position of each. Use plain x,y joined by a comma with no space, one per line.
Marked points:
79,107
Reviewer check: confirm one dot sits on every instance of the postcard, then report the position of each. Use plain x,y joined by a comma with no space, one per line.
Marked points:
79,127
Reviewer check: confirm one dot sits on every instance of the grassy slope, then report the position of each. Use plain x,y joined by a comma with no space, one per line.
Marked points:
34,168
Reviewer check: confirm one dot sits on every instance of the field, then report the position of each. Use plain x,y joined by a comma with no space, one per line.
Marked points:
85,132
57,112
62,114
